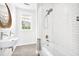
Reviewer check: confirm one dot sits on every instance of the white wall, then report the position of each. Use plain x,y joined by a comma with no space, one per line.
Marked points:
26,36
64,19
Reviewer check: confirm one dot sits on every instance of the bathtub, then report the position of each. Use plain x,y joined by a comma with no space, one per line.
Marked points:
44,48
47,50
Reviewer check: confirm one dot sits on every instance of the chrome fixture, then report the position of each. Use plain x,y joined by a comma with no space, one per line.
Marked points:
77,18
26,3
46,36
2,34
38,46
11,33
49,11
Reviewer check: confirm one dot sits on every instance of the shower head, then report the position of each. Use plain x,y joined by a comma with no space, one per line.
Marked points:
26,3
49,11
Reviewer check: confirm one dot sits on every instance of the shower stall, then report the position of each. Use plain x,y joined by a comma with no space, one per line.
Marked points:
58,29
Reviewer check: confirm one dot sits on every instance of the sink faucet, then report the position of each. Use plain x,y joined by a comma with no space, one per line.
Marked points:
2,34
11,33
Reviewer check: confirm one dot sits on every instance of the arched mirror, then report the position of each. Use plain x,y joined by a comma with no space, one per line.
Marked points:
5,16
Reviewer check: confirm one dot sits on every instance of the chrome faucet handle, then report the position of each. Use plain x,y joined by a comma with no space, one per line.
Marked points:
4,34
11,32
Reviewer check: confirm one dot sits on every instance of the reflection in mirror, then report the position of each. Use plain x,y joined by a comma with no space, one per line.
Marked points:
5,16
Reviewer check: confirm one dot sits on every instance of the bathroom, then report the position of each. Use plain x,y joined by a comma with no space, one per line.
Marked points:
39,29
20,33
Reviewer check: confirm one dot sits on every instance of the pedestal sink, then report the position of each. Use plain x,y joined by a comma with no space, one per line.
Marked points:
9,42
7,46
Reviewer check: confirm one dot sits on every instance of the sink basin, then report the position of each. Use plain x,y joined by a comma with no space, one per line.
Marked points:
9,42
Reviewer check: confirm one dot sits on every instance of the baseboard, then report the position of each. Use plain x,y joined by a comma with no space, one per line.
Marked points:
26,43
